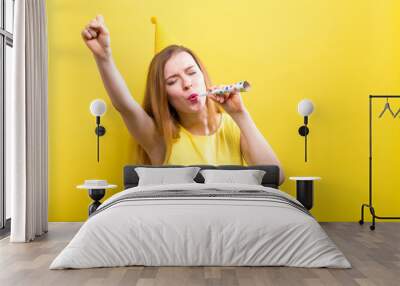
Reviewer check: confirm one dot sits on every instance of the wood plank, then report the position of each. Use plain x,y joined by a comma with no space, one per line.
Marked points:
374,255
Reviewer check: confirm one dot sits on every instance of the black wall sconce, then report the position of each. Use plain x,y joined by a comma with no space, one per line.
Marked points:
305,108
98,108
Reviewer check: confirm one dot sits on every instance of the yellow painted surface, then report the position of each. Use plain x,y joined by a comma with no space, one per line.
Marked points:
335,53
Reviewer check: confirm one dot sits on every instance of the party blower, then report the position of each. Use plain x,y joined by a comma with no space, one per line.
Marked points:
241,86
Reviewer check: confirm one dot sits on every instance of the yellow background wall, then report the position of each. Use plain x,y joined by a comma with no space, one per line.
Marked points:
334,52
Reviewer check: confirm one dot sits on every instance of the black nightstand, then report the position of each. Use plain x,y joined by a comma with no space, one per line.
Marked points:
96,193
304,190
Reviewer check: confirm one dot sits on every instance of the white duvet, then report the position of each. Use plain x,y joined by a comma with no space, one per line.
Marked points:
183,231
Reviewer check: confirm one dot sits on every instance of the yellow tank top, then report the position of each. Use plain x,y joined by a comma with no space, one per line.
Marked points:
220,148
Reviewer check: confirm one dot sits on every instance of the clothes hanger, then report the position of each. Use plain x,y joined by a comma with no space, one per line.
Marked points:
398,111
387,107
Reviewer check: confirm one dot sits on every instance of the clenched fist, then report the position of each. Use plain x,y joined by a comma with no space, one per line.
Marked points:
97,38
231,102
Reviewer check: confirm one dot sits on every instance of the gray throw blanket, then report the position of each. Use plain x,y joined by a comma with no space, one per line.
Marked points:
207,194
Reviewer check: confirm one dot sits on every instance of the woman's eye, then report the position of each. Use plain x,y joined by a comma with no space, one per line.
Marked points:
172,82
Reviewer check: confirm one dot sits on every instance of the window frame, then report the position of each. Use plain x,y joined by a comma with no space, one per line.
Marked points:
6,39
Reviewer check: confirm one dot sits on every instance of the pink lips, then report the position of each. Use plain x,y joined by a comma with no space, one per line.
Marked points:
193,97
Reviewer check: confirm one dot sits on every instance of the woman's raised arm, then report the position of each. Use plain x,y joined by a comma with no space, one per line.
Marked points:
138,122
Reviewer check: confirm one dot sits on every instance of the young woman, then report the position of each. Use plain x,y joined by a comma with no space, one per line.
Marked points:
175,124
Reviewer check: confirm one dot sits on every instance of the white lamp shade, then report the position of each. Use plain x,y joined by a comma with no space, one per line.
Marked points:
98,107
305,107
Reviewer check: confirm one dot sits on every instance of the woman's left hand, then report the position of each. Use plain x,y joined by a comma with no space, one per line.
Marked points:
231,102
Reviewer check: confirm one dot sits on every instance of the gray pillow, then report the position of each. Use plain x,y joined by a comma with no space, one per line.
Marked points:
249,177
162,176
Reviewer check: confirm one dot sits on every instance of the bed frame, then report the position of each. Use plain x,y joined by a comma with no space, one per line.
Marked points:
270,179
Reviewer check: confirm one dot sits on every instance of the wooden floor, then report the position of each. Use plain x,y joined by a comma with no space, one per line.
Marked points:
374,255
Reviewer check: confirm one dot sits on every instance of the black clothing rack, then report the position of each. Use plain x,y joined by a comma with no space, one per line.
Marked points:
370,206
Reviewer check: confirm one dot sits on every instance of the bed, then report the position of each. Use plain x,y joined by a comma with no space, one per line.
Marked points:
201,224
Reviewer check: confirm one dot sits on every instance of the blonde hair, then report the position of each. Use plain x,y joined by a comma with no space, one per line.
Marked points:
156,104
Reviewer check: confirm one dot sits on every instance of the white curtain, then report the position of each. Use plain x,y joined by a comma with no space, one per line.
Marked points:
26,123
